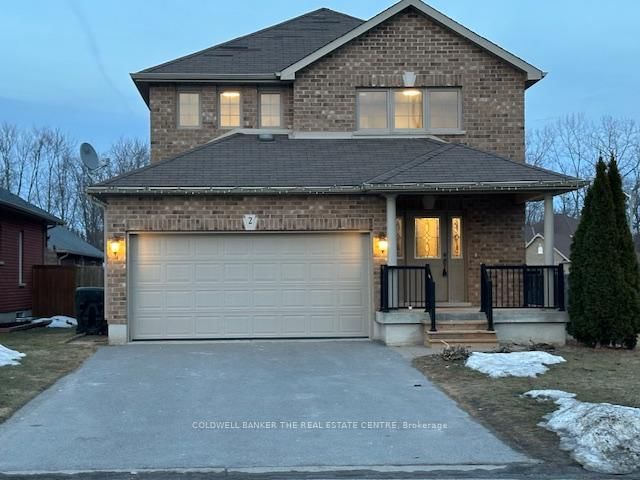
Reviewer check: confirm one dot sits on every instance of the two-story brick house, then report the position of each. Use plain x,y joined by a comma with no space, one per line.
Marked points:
290,164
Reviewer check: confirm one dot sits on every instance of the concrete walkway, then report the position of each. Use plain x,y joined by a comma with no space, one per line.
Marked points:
244,405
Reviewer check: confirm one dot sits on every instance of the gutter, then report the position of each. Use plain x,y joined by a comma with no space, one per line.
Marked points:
486,187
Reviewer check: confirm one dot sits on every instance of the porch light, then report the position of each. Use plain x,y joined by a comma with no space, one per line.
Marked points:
382,245
411,92
115,246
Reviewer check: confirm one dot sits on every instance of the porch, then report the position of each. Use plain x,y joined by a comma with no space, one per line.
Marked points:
438,285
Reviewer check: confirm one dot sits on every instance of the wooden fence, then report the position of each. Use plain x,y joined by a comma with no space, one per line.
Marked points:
54,287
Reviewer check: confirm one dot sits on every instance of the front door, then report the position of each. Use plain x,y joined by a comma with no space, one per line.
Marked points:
437,239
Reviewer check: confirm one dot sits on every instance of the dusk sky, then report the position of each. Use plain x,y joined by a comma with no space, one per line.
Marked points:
66,64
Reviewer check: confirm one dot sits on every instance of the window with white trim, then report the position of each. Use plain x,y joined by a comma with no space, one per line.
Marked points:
230,109
270,110
188,109
407,110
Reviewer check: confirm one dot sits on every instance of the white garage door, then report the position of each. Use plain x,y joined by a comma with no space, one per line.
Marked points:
249,285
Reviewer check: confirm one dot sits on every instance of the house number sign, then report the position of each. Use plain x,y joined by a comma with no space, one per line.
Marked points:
250,222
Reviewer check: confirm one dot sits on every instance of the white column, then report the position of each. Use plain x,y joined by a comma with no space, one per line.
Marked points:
549,232
392,234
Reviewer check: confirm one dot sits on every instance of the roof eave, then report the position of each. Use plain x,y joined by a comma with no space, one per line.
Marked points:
472,187
143,79
47,219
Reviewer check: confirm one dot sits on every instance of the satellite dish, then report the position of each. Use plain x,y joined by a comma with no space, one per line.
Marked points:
89,157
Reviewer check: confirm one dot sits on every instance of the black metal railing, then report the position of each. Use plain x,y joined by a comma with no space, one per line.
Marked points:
486,296
409,287
522,286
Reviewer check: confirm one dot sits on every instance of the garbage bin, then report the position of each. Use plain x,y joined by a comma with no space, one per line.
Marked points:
89,303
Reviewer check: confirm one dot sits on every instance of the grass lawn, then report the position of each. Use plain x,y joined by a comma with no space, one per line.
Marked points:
600,375
48,358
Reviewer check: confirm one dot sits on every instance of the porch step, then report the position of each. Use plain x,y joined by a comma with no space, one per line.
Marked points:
449,325
469,335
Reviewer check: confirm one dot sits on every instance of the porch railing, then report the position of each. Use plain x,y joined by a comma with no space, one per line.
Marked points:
408,287
522,286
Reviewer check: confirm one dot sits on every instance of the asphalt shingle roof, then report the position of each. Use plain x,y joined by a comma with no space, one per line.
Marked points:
266,51
243,160
14,202
63,240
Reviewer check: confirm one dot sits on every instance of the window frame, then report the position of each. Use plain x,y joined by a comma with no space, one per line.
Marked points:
426,118
21,282
188,91
281,116
415,238
427,124
240,109
387,93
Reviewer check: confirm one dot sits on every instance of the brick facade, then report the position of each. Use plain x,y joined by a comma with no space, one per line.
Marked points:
492,90
168,140
493,226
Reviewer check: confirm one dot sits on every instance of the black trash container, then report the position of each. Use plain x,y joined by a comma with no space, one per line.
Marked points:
90,311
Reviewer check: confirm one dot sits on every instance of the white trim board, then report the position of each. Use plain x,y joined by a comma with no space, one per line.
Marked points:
533,73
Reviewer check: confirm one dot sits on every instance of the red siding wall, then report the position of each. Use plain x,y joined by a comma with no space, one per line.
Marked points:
12,296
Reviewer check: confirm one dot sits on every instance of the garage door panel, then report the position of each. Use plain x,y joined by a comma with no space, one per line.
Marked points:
179,273
249,285
208,272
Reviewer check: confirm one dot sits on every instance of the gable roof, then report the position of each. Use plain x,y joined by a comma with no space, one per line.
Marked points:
533,73
257,56
63,240
564,229
14,202
276,53
242,163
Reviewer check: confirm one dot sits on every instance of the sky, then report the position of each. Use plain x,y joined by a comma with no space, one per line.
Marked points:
66,63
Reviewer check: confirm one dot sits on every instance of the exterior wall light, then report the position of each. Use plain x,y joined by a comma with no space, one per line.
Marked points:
382,245
116,245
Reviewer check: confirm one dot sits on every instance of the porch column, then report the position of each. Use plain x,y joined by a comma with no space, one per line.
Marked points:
392,234
549,232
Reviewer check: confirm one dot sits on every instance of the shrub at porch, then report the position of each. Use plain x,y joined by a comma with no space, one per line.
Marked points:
603,296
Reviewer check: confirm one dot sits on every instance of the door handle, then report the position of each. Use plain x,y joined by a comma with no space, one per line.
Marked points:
445,263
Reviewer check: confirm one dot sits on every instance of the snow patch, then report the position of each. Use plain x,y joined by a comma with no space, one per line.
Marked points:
9,357
60,321
515,364
602,437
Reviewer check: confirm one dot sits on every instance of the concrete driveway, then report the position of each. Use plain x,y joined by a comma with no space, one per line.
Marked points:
303,404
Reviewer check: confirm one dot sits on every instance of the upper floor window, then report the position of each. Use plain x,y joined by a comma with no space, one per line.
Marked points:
189,109
444,109
230,109
410,110
270,110
407,109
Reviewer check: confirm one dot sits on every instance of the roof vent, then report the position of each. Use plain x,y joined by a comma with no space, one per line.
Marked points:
266,137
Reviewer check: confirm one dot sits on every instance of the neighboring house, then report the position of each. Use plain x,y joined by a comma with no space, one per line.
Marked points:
67,248
23,240
290,164
564,228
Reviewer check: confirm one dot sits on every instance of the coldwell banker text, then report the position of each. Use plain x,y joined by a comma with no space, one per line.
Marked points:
317,425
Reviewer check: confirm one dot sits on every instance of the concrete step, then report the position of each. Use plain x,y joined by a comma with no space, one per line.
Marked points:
448,325
479,334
